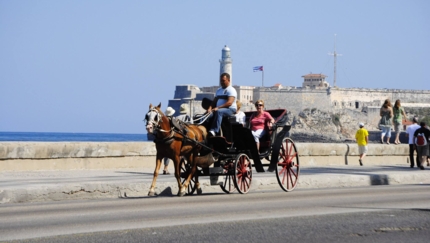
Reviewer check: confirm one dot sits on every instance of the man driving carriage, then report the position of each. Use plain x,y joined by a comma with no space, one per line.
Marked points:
224,104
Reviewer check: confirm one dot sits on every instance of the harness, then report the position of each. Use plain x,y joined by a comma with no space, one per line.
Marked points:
176,127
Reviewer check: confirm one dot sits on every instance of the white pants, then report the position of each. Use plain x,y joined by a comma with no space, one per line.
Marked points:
258,134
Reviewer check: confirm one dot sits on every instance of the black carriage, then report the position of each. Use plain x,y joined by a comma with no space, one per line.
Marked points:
235,153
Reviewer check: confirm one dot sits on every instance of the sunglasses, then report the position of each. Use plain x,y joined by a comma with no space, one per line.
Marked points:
257,105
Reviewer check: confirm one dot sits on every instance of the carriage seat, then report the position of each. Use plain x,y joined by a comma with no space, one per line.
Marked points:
266,140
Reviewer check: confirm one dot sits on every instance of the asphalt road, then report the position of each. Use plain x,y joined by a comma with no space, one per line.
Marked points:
366,214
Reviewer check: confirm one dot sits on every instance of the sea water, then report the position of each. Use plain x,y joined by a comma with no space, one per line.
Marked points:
70,137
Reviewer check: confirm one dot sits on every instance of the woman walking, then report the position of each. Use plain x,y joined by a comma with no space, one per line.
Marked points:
399,114
385,123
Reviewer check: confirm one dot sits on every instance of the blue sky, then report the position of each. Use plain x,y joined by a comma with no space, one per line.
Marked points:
95,66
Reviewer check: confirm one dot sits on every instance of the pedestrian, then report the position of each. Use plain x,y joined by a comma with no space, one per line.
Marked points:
183,114
421,138
240,115
362,138
410,130
169,113
428,152
385,123
399,114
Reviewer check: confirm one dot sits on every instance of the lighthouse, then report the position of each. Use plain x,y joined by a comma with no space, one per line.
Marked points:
226,63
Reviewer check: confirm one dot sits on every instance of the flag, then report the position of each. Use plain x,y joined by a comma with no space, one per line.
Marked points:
258,68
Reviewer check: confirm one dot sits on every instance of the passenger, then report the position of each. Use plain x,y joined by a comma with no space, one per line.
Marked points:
422,144
258,120
183,111
399,114
240,115
410,130
169,113
224,104
385,123
362,138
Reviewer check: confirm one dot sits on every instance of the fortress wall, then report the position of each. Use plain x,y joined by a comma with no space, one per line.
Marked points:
294,100
274,99
316,99
29,156
348,97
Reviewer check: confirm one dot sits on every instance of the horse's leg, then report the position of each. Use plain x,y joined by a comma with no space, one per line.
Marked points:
199,190
193,171
151,192
177,163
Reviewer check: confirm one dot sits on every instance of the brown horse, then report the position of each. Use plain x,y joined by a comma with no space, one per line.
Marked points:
172,143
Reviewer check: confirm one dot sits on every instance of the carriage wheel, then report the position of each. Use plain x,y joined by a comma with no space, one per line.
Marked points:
287,170
185,170
228,185
242,173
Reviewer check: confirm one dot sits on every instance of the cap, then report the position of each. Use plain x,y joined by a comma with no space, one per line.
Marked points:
169,111
361,124
184,109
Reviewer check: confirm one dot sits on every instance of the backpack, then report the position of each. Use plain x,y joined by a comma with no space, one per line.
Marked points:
421,140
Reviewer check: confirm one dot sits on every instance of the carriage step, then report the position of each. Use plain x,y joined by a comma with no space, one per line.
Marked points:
214,180
216,170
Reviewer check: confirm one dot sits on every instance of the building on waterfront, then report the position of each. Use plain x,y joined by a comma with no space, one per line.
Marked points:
315,93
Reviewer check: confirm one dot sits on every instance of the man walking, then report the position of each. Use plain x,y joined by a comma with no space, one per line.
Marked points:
410,130
362,138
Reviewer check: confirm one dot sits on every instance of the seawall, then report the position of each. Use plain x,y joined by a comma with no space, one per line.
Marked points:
31,156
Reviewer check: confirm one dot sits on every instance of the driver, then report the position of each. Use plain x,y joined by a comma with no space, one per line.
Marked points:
224,104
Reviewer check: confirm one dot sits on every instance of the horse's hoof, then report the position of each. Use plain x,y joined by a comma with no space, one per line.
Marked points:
181,194
199,191
151,194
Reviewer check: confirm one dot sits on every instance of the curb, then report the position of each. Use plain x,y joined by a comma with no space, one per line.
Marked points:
105,190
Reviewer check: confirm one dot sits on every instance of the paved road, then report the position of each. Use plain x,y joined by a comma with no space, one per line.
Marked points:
34,186
365,214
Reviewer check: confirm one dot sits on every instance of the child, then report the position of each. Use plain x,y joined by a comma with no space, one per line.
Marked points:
362,137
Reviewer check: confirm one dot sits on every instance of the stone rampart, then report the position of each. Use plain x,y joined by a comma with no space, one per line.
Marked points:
28,156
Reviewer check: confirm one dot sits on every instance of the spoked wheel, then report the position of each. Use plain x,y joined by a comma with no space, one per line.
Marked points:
228,185
185,171
287,170
242,173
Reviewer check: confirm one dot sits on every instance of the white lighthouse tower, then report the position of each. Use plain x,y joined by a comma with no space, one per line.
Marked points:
226,63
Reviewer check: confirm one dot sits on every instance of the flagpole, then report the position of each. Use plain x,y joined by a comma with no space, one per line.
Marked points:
262,78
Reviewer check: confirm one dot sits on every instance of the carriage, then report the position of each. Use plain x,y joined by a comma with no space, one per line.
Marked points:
228,159
235,149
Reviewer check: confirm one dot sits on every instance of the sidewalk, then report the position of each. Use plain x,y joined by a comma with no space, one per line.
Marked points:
35,186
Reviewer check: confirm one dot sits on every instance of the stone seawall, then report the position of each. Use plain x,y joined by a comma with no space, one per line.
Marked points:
28,156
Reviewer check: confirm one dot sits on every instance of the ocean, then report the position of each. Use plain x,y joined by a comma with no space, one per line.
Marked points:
70,137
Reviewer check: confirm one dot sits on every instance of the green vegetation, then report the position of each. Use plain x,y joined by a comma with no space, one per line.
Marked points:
336,119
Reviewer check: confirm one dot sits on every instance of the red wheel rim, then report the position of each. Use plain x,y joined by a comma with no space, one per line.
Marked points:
288,165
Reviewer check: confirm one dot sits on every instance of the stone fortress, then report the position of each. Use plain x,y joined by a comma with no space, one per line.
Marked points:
315,108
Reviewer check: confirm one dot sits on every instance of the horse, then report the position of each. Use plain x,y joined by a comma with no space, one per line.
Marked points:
173,143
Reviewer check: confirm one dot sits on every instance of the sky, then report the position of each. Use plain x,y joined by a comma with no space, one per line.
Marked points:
95,66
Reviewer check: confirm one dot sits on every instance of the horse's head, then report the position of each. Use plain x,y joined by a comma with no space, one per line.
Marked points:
153,118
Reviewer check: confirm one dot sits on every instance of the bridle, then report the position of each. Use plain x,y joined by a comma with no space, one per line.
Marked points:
155,120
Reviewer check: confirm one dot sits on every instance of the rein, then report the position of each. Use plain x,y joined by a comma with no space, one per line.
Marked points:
204,117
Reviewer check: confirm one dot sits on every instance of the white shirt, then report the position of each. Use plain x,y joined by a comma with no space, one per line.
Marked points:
223,95
240,117
410,130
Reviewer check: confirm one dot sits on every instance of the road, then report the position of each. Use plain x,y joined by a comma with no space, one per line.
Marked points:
378,213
